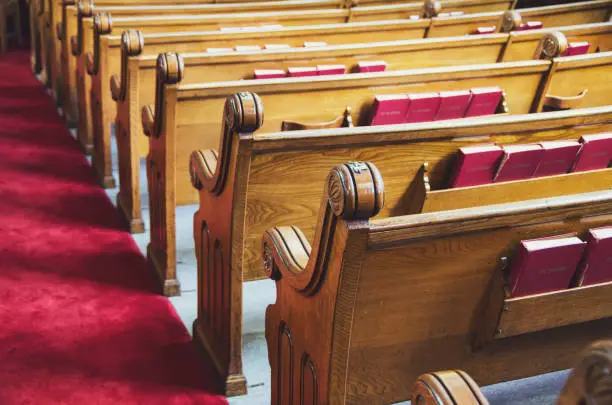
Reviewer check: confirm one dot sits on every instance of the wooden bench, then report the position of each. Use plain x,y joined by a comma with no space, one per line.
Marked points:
588,382
241,193
375,303
132,144
184,110
9,9
462,24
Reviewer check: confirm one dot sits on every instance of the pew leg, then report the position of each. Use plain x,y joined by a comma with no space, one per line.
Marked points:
84,133
3,36
101,154
128,199
234,383
158,260
135,225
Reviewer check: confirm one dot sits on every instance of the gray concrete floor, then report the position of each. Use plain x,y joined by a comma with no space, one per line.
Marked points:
538,390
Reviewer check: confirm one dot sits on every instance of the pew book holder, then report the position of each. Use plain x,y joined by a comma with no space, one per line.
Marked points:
557,103
343,121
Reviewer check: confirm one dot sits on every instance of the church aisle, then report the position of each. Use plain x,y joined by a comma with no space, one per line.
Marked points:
81,320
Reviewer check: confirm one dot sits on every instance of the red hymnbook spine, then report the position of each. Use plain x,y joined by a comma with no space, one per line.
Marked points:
577,48
453,104
544,265
596,152
485,30
519,162
301,71
532,25
596,266
323,70
475,165
423,107
269,73
484,101
389,109
557,157
371,66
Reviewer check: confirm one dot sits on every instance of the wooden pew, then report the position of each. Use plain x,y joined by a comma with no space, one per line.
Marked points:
241,193
389,299
184,110
588,382
462,24
9,9
422,53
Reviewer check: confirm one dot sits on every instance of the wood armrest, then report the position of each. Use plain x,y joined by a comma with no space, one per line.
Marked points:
553,102
202,165
115,86
74,45
89,61
344,120
59,32
447,388
148,119
291,249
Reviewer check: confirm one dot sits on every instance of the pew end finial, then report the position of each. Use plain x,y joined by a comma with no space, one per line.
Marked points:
552,45
355,190
85,8
103,25
132,44
447,388
431,8
510,20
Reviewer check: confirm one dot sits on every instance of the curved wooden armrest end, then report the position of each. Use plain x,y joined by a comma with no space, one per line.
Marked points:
447,388
431,8
74,45
115,85
202,165
591,379
132,42
510,20
285,251
148,119
59,31
85,8
103,23
343,121
552,102
552,45
89,61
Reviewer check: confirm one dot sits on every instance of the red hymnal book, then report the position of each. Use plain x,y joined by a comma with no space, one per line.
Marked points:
543,265
301,71
577,48
314,44
323,70
557,157
519,162
372,66
484,101
423,107
485,30
532,25
475,165
596,266
389,109
277,46
453,104
247,48
269,73
596,152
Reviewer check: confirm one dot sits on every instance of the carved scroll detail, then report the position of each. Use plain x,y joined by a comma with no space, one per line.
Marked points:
62,24
84,10
552,45
103,25
132,42
170,69
511,19
243,113
354,191
431,8
591,380
447,388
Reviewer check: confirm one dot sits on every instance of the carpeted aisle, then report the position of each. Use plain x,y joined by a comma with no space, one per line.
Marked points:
80,319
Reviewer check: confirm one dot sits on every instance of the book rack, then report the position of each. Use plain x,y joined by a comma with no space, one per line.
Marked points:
424,199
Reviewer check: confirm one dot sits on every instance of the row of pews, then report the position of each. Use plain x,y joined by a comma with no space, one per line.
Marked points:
383,271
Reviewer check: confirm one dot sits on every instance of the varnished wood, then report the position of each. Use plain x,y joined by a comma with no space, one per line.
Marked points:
588,383
241,191
9,9
403,294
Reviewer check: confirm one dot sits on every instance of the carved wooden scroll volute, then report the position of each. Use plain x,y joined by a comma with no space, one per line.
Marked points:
431,8
552,45
103,25
243,113
84,10
132,43
590,382
170,69
510,20
447,388
354,191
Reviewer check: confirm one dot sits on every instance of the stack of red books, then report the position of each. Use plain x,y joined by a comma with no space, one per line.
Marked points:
577,48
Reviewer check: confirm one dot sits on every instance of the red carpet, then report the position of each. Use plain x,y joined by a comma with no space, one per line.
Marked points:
80,318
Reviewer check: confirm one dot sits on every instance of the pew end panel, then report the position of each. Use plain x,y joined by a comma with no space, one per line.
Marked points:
221,179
